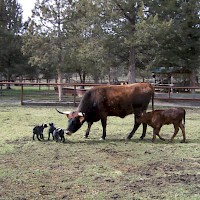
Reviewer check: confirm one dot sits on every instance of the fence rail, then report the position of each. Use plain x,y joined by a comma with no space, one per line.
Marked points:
47,93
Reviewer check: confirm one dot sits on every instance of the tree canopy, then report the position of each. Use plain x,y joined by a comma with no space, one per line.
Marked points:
11,58
101,37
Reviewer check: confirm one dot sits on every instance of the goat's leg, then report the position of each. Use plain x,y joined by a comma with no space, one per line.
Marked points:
49,136
63,139
38,137
41,136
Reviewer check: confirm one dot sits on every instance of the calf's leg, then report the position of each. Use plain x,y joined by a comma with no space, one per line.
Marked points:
176,128
183,132
160,137
155,132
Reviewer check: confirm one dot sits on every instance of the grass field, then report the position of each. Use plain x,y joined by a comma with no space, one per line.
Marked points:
93,169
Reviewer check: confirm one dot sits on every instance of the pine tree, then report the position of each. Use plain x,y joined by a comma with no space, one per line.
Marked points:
10,38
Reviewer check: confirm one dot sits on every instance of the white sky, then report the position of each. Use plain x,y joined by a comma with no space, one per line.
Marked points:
27,6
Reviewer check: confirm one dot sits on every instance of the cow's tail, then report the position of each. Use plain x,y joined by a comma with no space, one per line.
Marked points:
184,117
152,100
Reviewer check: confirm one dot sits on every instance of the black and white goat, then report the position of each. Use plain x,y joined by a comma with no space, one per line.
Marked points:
38,131
59,133
51,129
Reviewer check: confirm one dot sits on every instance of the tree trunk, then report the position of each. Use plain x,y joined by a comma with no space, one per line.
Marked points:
8,79
82,78
60,81
132,61
193,80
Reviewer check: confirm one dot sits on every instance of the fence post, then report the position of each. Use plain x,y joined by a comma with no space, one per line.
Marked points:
1,93
22,94
169,91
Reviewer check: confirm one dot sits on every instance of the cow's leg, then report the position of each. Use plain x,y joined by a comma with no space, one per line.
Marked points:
176,128
144,131
183,132
104,123
136,125
88,129
33,136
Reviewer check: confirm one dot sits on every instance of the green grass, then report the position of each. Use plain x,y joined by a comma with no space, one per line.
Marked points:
33,94
93,169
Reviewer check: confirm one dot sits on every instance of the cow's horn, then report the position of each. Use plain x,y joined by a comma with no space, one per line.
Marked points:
80,114
65,112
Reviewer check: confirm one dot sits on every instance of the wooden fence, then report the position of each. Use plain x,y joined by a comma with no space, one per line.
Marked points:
47,93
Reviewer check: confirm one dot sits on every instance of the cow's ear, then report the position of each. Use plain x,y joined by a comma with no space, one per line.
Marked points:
81,119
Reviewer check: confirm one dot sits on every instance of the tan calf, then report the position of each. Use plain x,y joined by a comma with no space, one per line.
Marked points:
157,118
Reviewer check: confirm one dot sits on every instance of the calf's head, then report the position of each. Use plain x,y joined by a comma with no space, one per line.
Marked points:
143,118
75,121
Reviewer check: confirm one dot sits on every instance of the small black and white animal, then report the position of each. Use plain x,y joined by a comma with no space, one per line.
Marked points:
59,133
38,131
51,129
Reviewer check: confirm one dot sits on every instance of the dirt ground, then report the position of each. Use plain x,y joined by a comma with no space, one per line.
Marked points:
93,169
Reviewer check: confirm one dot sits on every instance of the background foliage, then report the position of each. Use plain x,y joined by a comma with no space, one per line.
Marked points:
96,38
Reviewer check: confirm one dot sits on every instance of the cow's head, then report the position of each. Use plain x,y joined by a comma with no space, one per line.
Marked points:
75,121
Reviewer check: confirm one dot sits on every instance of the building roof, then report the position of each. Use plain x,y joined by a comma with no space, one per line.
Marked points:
170,70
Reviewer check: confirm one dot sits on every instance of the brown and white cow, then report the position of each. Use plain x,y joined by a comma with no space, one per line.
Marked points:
157,118
111,100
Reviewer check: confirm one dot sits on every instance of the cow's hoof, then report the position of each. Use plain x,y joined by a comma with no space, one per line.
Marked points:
102,139
141,138
128,138
183,141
